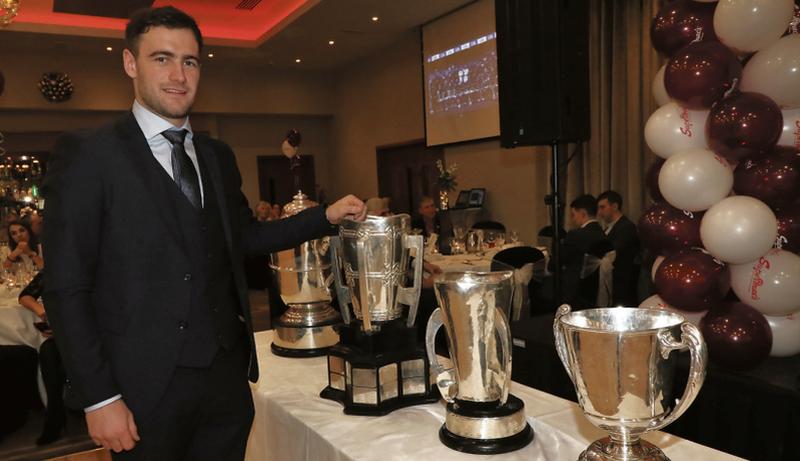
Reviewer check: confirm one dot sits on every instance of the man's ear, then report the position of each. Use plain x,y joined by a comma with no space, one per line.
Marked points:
129,63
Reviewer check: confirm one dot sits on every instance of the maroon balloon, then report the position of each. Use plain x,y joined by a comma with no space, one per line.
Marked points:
665,229
701,73
737,336
789,227
744,125
651,179
677,23
692,280
774,178
293,137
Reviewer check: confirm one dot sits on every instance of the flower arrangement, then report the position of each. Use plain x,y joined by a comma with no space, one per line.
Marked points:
447,176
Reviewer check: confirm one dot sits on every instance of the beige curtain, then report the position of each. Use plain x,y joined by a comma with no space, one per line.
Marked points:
622,65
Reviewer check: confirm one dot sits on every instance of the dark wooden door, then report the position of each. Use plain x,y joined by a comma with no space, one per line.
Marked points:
406,173
277,183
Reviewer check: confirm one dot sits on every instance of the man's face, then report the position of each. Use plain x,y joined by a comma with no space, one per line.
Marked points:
577,216
606,210
427,209
165,71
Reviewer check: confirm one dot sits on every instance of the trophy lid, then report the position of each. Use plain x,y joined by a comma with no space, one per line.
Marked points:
299,203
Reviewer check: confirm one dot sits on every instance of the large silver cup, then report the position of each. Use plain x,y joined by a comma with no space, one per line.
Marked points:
474,309
370,260
622,361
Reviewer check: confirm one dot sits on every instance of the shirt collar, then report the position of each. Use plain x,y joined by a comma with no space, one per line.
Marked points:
588,222
152,125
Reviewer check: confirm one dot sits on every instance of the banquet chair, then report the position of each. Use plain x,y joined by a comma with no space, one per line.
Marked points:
597,264
529,265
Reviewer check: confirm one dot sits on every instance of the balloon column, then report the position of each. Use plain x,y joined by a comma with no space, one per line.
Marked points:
726,184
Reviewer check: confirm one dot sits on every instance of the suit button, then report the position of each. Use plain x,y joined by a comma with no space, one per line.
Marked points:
187,277
182,325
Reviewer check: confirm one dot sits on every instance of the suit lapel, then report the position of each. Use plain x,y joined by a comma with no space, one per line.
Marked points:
206,155
144,164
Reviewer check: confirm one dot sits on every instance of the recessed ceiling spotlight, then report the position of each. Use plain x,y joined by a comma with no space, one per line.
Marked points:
108,48
331,42
210,55
374,19
298,60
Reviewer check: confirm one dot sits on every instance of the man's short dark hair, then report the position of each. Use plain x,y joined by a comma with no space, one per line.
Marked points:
585,202
612,196
167,16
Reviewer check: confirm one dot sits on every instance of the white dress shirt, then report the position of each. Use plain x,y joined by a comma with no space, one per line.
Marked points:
152,126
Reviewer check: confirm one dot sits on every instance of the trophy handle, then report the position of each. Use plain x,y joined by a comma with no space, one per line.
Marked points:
558,332
410,295
501,325
445,377
363,302
342,291
691,339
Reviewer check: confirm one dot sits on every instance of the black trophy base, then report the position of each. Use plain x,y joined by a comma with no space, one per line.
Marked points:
476,417
299,353
375,374
488,446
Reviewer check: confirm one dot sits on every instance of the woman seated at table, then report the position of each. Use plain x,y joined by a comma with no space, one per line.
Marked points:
22,247
50,362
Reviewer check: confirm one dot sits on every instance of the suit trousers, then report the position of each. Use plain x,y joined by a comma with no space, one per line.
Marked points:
205,414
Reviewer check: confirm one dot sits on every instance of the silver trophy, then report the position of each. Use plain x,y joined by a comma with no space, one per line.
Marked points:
482,417
302,276
378,365
622,362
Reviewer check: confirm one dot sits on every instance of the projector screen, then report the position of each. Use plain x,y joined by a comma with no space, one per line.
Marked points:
459,61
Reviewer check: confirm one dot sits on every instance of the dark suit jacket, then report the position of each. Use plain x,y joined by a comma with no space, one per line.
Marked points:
626,243
118,278
577,243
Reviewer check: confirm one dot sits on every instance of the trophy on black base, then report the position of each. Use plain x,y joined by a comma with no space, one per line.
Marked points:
378,365
306,329
482,417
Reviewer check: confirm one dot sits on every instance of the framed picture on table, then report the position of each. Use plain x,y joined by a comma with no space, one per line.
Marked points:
463,199
476,197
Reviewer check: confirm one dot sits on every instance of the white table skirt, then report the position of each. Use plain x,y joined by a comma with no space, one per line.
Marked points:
16,322
292,423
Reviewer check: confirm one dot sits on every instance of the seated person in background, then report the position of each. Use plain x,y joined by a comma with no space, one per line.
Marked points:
276,212
50,363
22,247
263,211
427,218
579,241
622,234
376,206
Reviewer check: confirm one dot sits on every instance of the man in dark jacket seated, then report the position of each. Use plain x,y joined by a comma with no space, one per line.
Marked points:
582,239
621,232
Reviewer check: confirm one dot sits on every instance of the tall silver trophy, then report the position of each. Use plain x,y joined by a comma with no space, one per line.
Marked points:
378,365
302,275
622,361
482,417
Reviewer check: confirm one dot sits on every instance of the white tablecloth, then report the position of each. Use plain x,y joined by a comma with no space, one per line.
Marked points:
293,423
16,322
471,261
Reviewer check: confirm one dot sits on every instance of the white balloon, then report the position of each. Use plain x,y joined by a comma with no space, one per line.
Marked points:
655,302
770,284
695,179
671,129
750,25
775,72
739,229
659,90
656,263
785,334
791,129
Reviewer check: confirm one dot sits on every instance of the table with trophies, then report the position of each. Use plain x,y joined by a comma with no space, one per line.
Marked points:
380,393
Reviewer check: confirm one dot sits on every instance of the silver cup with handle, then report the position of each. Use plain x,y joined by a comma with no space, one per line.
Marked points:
482,417
622,363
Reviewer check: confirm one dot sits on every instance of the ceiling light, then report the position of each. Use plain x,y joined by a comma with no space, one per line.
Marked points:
108,48
210,55
298,60
331,42
374,19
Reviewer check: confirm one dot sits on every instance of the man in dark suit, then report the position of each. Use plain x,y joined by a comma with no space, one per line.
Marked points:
144,282
586,237
621,231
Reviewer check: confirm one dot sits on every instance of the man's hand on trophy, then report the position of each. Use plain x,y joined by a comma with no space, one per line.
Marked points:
349,207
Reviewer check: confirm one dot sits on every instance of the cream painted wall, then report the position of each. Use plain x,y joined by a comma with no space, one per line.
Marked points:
379,102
